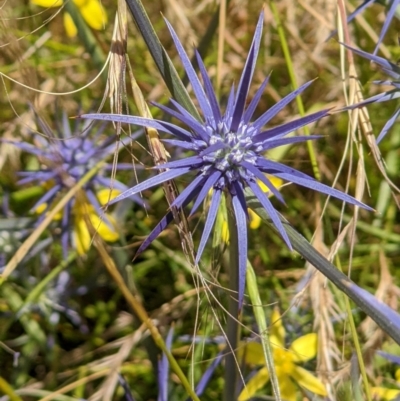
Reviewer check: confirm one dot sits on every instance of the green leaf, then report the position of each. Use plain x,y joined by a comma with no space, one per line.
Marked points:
263,375
161,58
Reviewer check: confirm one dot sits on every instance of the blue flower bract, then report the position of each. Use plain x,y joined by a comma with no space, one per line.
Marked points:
393,71
228,151
391,5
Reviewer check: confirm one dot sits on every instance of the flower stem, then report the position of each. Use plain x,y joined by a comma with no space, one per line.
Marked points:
232,330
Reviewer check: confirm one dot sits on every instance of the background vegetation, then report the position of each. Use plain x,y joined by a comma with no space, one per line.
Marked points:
69,327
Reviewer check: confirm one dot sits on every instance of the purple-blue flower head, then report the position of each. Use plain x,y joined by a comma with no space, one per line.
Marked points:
393,71
65,158
228,151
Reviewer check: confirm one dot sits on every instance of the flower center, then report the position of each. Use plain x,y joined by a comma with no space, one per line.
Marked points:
284,360
75,157
234,147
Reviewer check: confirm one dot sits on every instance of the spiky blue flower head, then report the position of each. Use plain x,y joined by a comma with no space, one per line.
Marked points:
228,151
65,158
392,7
393,71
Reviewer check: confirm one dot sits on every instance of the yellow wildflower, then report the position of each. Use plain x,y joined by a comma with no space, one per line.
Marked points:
104,226
285,360
82,213
255,219
386,394
92,11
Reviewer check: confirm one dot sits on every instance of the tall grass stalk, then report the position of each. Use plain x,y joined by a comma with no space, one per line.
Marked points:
292,75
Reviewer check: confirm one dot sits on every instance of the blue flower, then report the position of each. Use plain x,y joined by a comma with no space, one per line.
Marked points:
228,151
64,160
392,70
391,4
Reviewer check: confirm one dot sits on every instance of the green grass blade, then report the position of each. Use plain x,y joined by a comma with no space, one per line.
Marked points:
289,64
161,58
361,365
255,299
6,389
40,287
31,326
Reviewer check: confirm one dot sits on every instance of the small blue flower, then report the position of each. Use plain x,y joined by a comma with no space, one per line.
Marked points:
65,159
392,70
228,151
392,6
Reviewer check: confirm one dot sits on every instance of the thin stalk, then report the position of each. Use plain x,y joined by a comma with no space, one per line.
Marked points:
356,342
289,64
143,316
232,329
357,346
7,390
259,314
40,287
221,42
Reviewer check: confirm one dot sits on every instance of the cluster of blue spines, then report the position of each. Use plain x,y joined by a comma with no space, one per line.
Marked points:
388,67
392,70
66,158
228,151
391,5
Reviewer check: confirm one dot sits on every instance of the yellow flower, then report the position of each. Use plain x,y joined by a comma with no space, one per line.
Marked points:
104,226
287,370
225,232
386,394
92,11
82,214
255,219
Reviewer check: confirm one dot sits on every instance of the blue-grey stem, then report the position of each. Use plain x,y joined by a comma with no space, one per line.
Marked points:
385,317
232,329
